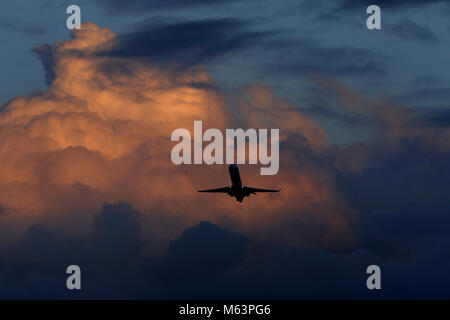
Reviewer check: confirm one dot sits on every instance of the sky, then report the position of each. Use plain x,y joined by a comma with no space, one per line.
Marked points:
85,124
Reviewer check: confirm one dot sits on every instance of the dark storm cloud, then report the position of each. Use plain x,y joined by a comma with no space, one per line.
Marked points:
320,104
199,264
118,6
117,229
266,272
399,182
393,4
305,66
402,199
109,259
188,43
330,112
428,94
342,61
273,271
16,25
427,98
438,117
45,54
408,29
112,261
192,253
207,261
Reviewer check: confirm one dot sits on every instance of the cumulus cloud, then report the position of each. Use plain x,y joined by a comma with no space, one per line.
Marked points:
110,258
101,133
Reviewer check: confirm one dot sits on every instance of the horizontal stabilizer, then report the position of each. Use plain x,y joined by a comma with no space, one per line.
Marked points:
218,190
255,190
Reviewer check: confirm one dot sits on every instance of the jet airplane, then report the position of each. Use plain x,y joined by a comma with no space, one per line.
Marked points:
236,189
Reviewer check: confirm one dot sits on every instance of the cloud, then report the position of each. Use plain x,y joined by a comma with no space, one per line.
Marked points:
117,228
193,254
187,43
110,258
427,94
201,260
394,122
44,53
393,4
139,5
101,134
438,117
16,25
408,29
340,61
208,261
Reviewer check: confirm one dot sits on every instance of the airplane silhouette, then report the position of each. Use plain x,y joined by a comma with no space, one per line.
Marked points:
236,189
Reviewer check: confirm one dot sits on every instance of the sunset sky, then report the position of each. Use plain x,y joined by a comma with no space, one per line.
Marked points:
85,124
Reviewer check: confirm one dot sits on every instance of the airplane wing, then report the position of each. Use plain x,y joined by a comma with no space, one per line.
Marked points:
250,190
218,190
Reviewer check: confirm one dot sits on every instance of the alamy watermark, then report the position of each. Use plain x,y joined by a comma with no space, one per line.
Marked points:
213,152
74,20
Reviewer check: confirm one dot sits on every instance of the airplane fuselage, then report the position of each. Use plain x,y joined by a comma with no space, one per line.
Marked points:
236,183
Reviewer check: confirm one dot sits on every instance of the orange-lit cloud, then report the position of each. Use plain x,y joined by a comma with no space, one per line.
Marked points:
101,132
